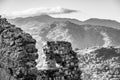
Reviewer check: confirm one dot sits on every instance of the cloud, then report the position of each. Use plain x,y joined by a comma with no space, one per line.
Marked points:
118,1
41,11
1,1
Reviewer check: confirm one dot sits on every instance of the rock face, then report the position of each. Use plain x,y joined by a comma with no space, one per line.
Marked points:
101,64
62,62
17,53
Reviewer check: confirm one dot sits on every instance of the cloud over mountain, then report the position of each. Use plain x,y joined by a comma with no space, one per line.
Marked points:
41,11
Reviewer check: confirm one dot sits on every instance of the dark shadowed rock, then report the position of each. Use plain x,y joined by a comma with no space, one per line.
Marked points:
61,62
17,53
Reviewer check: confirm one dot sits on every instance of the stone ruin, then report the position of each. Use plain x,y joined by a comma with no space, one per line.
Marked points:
62,62
17,53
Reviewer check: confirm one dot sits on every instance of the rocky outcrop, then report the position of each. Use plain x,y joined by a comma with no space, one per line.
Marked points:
61,61
17,53
103,63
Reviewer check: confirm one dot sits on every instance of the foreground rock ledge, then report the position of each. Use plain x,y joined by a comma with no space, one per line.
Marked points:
17,53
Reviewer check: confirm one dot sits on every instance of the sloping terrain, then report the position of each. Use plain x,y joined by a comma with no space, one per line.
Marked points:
103,22
45,27
100,64
48,19
18,51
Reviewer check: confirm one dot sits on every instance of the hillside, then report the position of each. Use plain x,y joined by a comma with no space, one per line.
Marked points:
103,22
44,28
41,19
18,51
100,63
48,19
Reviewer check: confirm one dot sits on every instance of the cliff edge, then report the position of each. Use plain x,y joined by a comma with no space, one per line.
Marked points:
17,53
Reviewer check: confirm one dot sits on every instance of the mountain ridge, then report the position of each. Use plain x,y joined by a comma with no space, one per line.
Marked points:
81,34
48,19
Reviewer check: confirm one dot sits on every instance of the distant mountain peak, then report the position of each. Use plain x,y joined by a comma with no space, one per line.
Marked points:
82,34
103,22
65,22
101,19
44,15
40,16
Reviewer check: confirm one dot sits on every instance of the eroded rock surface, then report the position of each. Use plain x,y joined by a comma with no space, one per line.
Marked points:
62,62
17,53
102,63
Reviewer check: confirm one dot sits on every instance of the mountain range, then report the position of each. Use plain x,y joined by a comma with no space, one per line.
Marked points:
49,19
82,34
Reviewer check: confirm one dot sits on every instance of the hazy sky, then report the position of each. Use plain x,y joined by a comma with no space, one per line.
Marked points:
82,9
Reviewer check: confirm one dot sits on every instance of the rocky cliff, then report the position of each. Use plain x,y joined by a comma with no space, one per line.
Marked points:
17,53
61,62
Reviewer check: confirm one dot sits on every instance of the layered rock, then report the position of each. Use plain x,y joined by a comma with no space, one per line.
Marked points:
62,62
17,53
